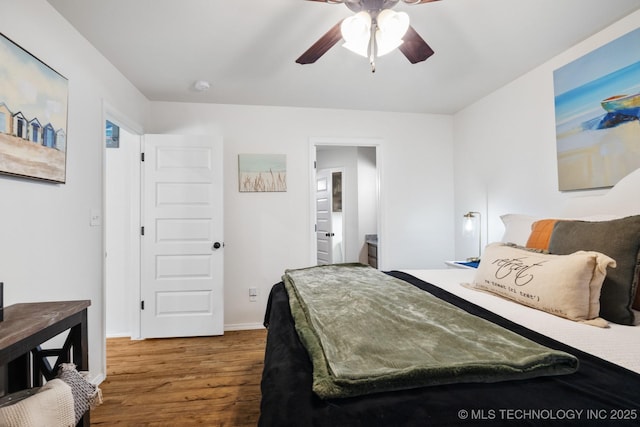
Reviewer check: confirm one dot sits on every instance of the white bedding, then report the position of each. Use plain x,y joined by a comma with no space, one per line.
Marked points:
618,344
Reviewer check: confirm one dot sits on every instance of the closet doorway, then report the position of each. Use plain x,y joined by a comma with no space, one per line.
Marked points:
121,228
348,170
329,216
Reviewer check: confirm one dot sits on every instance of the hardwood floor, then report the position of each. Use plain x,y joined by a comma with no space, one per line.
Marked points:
207,381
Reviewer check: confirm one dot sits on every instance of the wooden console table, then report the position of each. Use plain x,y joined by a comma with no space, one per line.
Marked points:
26,326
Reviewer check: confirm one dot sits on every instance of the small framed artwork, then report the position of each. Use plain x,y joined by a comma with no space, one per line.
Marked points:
112,135
33,116
336,189
262,172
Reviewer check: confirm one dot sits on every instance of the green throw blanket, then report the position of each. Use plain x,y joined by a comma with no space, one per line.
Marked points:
368,332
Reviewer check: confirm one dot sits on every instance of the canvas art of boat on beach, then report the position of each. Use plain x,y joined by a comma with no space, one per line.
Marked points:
629,105
620,109
597,109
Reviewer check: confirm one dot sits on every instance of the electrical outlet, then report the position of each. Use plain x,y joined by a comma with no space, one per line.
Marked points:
253,294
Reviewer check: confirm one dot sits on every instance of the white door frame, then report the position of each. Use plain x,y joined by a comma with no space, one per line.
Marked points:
314,142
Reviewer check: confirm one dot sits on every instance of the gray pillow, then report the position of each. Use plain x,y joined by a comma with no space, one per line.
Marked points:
619,239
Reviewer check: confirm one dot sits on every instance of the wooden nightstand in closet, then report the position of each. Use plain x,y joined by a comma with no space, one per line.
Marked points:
372,249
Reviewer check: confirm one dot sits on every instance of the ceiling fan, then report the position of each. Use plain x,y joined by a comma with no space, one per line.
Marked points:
373,31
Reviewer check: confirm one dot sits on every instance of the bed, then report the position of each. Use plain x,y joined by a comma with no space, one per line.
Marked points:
603,389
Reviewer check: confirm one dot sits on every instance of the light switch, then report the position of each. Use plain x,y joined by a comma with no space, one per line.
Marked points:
96,218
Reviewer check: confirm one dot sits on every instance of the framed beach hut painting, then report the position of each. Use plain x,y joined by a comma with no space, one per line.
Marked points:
262,172
33,116
597,109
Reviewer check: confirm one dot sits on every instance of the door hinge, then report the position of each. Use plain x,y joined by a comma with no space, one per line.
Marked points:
142,231
142,157
141,305
315,166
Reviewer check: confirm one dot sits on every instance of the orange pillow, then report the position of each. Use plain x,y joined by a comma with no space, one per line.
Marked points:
541,234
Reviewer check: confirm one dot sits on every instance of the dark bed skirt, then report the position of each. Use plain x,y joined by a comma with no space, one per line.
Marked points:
600,393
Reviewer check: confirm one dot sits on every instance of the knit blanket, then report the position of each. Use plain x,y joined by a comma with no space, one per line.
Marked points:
51,405
61,402
368,332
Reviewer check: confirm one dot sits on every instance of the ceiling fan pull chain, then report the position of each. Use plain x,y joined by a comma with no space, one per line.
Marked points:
373,47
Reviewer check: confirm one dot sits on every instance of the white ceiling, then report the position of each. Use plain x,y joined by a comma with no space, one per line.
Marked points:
247,49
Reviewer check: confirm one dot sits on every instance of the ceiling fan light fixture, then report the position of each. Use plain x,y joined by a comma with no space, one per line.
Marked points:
361,48
373,31
393,23
384,44
392,26
356,32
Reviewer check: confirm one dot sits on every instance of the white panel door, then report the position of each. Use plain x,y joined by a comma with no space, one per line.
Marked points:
182,245
324,246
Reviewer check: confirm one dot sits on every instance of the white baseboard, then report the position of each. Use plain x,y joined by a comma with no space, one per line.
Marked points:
96,379
243,326
119,335
229,327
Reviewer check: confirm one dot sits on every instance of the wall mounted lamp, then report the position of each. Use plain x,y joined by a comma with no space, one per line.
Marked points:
468,229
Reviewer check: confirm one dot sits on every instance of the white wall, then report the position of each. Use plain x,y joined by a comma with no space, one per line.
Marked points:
265,233
505,146
122,235
48,250
116,241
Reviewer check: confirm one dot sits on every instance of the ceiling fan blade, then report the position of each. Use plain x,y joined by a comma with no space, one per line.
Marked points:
414,47
321,47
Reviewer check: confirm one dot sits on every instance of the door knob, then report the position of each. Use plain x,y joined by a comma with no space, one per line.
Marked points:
329,234
217,245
